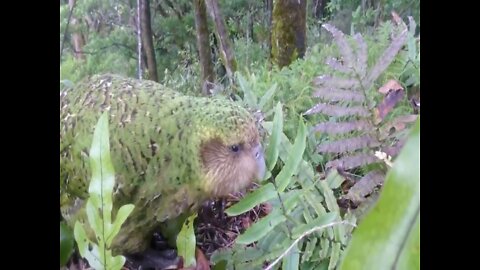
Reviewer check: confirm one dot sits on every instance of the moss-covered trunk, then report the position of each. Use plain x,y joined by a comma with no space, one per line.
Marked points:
288,31
203,45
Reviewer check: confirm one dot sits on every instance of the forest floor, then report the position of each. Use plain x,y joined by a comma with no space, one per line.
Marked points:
214,230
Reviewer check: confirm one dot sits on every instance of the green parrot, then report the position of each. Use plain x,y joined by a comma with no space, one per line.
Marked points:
170,152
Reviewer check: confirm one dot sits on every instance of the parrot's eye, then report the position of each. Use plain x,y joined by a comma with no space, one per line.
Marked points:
234,148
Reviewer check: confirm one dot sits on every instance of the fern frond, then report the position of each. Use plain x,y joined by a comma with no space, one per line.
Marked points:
349,144
352,162
343,127
343,46
397,124
362,56
336,82
390,100
365,186
338,65
387,57
348,97
334,94
337,110
394,149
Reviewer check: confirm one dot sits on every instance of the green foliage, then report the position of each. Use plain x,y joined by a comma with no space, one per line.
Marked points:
186,242
99,206
302,206
272,149
309,198
367,12
66,243
388,238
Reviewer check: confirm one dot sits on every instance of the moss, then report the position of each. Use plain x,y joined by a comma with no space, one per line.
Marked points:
288,31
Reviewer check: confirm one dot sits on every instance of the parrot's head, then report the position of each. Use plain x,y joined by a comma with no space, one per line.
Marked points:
231,154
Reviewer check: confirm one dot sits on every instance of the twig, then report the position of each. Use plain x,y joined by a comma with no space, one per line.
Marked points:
66,29
305,234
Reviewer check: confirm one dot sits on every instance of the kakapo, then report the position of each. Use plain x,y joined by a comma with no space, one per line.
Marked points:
170,152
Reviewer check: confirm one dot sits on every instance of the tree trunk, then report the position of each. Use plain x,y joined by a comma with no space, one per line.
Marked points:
289,31
77,37
250,34
139,40
203,45
269,9
226,51
147,40
319,8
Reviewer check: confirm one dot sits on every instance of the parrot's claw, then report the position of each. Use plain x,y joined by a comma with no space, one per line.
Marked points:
158,242
223,203
159,257
156,260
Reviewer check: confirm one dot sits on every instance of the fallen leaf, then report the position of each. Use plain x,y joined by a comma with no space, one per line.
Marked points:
388,102
202,262
396,18
390,85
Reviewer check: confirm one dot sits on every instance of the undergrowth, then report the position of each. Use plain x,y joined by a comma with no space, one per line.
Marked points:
354,132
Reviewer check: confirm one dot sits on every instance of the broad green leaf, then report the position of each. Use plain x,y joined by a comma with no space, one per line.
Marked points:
221,255
276,132
320,221
272,254
99,205
315,201
291,198
114,263
81,238
383,240
309,248
246,254
122,215
271,240
291,260
186,243
103,177
294,158
67,83
410,257
221,265
96,258
66,243
334,256
332,205
258,196
334,179
324,248
249,96
266,98
305,170
261,227
94,219
412,47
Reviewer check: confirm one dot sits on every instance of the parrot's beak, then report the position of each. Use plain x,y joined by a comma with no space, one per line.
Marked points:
261,167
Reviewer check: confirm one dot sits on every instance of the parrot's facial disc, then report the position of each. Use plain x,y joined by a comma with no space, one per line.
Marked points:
230,168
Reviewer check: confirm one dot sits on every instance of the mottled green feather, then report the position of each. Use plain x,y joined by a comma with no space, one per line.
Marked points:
156,136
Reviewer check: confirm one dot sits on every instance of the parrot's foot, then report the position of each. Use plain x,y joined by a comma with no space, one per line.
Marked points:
156,259
221,208
158,242
214,212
